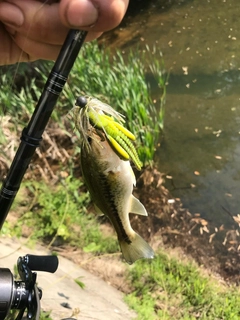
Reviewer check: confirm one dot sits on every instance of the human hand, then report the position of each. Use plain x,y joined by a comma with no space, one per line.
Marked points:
31,29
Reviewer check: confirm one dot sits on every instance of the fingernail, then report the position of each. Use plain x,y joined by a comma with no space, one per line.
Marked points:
82,13
11,15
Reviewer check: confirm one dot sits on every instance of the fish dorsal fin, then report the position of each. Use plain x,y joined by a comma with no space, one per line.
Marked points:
137,207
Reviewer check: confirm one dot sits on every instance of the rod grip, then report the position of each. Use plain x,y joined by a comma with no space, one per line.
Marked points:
41,263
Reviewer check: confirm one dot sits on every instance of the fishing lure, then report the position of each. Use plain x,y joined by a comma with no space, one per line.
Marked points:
92,113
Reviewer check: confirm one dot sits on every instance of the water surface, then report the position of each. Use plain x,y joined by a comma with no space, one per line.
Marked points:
200,42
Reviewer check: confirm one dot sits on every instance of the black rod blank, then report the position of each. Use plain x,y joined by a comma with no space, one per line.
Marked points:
32,134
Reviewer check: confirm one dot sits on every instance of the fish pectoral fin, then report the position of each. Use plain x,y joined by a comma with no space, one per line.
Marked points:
137,207
98,211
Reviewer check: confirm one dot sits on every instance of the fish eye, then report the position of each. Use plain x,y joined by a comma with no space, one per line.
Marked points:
81,102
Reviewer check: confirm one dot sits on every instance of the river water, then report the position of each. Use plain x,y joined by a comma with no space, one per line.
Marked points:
200,150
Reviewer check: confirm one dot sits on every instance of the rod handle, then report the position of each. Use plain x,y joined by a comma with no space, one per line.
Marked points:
41,263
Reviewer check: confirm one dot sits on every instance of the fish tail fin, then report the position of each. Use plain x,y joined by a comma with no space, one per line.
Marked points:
137,249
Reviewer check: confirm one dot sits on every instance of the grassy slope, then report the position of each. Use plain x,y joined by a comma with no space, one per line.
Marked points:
167,288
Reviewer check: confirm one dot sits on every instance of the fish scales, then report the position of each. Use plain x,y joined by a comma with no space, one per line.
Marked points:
101,187
113,212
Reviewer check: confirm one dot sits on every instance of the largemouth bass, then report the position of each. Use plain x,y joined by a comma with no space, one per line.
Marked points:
110,181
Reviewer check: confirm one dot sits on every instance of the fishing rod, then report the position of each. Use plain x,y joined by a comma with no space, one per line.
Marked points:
32,134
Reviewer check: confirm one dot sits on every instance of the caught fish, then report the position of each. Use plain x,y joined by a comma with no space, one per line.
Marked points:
110,181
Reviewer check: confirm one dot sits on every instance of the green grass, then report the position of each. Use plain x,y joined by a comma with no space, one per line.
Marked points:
169,289
80,283
58,214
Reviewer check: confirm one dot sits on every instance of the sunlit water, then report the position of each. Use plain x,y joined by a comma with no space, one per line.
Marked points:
200,42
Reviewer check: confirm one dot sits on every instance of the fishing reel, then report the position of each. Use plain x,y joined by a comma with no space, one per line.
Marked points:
24,295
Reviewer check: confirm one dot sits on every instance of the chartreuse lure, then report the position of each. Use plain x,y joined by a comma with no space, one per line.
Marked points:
92,112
